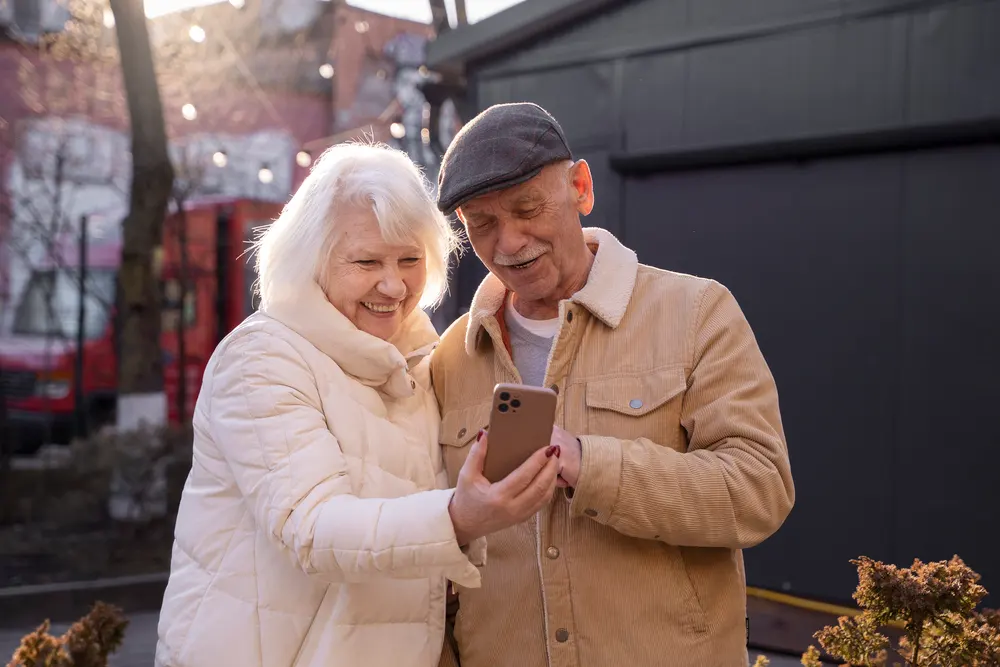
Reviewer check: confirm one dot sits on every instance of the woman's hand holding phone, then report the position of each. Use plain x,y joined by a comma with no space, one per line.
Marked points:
479,507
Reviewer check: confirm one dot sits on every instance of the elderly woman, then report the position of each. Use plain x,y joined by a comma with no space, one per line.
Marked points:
315,528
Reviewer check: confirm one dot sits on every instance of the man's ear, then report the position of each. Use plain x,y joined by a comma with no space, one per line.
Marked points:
461,216
582,183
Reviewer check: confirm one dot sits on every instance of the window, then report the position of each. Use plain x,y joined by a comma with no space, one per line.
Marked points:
171,308
28,19
50,301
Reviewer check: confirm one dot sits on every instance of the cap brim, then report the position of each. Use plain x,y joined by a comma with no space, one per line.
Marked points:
450,207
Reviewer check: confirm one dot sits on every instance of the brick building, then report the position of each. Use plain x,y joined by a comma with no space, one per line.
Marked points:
285,80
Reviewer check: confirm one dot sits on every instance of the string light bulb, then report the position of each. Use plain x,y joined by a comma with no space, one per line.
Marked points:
397,130
303,159
189,112
326,71
265,175
109,18
220,159
197,34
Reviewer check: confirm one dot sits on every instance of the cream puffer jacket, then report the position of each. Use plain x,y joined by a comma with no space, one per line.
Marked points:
313,530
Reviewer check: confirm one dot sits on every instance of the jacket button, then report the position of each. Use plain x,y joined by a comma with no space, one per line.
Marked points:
590,512
552,552
562,635
554,388
413,384
569,316
461,432
635,403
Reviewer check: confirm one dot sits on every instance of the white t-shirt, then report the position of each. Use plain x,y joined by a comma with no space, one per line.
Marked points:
530,342
541,328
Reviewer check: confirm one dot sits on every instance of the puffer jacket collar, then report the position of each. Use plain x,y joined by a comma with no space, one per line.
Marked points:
383,365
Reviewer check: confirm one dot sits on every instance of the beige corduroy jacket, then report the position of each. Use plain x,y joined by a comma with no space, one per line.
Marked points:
684,465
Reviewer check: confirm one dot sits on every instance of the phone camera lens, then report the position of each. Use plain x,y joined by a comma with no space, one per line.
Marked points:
502,407
504,396
515,403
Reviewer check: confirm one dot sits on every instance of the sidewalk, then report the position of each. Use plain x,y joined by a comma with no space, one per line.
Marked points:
777,660
140,643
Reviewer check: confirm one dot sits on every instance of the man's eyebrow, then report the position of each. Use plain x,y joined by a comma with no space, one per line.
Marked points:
479,216
530,198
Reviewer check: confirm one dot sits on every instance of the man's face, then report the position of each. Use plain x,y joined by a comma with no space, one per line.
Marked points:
529,235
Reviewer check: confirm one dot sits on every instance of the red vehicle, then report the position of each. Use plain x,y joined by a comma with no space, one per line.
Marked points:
38,360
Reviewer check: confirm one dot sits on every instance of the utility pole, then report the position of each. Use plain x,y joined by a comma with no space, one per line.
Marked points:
80,404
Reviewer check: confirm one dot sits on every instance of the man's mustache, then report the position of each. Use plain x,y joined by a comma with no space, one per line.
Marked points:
522,256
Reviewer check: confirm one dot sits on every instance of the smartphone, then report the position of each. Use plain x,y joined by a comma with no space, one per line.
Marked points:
520,424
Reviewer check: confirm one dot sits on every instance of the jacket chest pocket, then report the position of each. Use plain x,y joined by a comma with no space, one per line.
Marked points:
639,406
459,429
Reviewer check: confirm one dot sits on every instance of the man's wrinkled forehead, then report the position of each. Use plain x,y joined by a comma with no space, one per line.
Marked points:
525,195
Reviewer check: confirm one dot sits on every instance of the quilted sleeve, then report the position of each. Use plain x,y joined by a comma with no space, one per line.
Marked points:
267,422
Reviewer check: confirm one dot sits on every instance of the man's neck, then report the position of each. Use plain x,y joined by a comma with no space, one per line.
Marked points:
548,308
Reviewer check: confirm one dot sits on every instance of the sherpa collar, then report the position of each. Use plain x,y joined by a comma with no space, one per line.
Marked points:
606,294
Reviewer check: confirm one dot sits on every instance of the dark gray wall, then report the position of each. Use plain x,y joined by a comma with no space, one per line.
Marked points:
870,276
872,284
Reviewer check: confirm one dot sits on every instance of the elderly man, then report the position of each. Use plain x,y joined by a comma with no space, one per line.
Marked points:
672,450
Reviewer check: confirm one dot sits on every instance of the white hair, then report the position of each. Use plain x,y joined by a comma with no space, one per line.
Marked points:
295,248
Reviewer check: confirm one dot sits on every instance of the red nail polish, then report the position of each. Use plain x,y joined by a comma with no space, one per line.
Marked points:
558,450
550,451
480,435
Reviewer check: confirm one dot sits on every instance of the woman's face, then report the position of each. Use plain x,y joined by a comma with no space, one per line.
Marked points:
373,283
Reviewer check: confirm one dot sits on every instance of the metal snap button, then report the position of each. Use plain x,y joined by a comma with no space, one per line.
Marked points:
562,635
569,316
552,552
635,403
461,433
590,512
413,384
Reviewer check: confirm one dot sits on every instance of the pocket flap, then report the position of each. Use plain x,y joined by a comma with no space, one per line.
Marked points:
460,427
636,394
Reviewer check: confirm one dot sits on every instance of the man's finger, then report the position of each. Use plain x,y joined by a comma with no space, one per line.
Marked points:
515,483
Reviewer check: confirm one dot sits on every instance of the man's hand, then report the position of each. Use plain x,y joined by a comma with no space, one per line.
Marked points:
570,455
479,508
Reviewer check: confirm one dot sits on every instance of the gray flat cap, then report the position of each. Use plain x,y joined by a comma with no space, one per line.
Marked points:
505,145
